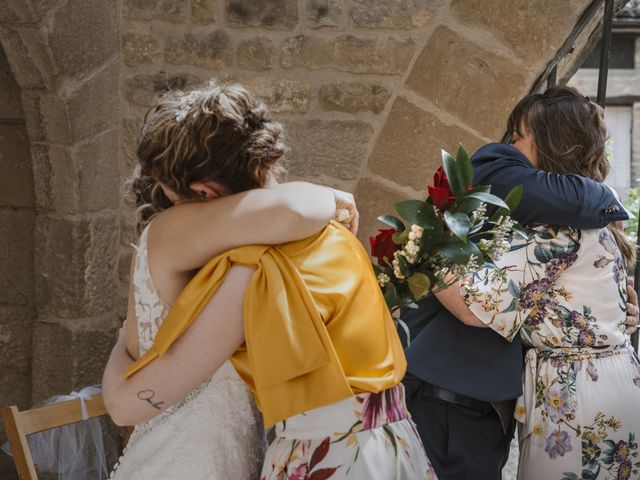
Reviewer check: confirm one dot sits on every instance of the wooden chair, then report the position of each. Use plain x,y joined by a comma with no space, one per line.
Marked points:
19,424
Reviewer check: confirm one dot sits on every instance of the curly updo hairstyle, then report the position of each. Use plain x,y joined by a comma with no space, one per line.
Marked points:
570,135
220,133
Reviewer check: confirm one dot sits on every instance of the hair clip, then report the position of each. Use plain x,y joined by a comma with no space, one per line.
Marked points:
587,98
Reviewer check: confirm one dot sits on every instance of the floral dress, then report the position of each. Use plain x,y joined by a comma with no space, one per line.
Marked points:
564,292
365,437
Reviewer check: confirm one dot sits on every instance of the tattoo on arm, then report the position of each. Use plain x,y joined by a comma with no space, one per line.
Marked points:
147,396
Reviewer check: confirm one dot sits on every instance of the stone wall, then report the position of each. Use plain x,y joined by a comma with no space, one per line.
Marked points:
369,91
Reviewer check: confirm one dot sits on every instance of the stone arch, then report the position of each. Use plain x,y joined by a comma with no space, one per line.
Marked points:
64,55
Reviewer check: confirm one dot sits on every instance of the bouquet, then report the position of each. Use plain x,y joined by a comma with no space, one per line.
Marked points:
436,241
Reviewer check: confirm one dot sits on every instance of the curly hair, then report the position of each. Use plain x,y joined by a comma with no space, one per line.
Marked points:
570,135
218,133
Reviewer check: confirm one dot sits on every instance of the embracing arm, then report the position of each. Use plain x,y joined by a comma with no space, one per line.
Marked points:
548,198
452,300
201,350
186,236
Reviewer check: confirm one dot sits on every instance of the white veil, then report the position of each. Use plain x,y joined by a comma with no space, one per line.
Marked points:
74,451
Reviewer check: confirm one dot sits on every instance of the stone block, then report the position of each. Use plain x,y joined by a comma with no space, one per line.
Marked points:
211,50
95,106
55,178
96,160
47,118
16,172
282,14
259,53
323,147
142,90
281,95
203,11
16,325
324,13
29,55
11,105
347,53
374,199
407,150
16,256
404,14
169,10
130,129
139,49
460,76
68,358
353,97
24,11
83,36
76,265
549,21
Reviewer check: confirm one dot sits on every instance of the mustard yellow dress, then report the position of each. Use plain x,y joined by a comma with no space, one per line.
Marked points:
321,357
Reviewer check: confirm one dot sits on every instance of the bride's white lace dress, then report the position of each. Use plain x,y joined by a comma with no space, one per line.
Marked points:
216,433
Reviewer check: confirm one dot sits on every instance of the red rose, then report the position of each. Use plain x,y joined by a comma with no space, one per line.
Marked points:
382,245
441,194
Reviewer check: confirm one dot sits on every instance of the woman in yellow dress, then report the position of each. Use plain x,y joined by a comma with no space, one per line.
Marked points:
303,323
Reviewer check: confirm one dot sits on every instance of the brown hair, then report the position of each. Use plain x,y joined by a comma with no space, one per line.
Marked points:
213,133
569,134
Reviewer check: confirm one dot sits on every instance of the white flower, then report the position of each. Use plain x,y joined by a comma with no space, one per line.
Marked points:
383,279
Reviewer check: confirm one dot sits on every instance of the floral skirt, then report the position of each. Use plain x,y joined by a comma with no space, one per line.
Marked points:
367,436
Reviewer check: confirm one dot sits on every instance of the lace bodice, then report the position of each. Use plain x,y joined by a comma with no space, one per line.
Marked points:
150,309
215,433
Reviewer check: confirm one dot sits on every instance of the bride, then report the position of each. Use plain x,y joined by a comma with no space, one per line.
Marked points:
216,432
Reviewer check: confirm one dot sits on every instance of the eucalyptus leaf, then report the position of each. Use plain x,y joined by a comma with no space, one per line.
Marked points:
417,212
458,252
464,167
488,198
392,221
458,223
419,284
513,199
449,165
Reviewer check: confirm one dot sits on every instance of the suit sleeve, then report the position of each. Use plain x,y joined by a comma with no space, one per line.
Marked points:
550,198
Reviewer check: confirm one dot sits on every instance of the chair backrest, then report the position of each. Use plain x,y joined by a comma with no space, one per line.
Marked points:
19,424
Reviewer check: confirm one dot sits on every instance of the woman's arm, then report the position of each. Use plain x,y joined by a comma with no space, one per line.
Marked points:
186,236
452,300
201,350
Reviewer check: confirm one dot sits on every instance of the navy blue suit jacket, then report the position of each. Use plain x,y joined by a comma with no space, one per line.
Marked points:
478,362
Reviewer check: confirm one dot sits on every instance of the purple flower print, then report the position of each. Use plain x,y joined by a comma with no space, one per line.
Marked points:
586,338
558,403
624,470
606,240
609,244
621,452
578,320
558,444
559,264
533,292
592,371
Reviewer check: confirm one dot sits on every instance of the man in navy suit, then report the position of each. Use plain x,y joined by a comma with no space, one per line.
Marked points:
462,381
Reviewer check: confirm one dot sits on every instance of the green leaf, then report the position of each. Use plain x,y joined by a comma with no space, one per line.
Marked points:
420,285
449,165
400,237
392,221
391,297
513,199
417,212
542,254
464,167
513,289
458,252
488,198
405,267
458,223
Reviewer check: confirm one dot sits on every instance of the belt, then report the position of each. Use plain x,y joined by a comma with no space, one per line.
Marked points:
428,390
